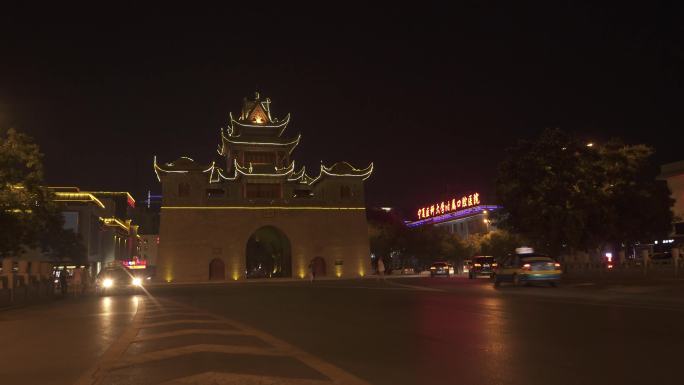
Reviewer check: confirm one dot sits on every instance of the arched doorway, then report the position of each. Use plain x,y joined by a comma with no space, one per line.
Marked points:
318,266
217,270
268,254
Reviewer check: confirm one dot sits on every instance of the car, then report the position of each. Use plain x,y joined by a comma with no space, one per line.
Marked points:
467,265
661,258
482,266
526,268
441,268
118,280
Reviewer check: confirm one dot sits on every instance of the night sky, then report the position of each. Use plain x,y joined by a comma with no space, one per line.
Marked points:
432,96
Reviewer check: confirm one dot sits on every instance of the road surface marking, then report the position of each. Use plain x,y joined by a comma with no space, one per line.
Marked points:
182,321
215,378
115,360
188,331
157,355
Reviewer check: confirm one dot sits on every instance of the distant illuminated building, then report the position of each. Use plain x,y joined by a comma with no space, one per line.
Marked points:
673,174
464,215
254,214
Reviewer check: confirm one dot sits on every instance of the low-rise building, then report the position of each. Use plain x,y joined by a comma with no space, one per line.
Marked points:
673,174
465,215
102,219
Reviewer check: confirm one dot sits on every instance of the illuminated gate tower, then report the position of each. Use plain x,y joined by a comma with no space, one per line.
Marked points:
253,214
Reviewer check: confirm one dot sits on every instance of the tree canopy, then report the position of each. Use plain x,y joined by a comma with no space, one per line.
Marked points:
28,216
561,193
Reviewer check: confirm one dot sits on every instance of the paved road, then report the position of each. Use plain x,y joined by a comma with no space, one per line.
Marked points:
400,331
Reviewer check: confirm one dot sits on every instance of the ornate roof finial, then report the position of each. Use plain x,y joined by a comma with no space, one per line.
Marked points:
256,95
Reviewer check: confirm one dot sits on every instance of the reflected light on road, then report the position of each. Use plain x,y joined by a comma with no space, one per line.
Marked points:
105,305
470,330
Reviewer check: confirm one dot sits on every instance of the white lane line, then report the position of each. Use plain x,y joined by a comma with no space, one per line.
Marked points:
182,321
129,360
189,331
216,378
336,374
149,317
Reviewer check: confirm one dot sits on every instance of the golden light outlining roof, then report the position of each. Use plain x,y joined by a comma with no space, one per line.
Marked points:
256,130
77,197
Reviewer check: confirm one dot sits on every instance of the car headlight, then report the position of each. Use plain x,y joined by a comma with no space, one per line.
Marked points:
137,281
107,282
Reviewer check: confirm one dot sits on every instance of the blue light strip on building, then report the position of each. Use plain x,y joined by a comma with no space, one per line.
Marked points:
454,215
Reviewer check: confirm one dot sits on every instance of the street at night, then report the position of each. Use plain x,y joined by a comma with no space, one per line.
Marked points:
364,331
473,193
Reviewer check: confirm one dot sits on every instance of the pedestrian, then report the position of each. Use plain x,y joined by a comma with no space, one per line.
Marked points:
312,271
381,268
77,281
63,281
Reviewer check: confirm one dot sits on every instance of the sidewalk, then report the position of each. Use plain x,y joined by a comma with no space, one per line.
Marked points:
54,343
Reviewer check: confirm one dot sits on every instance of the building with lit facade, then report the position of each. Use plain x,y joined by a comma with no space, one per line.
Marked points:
253,213
102,221
673,174
465,215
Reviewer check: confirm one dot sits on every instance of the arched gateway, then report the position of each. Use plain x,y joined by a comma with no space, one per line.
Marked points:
208,207
268,254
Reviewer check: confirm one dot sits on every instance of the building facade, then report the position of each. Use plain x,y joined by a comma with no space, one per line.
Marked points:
673,174
102,221
465,215
253,213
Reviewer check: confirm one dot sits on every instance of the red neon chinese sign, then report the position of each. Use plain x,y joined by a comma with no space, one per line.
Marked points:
134,263
448,206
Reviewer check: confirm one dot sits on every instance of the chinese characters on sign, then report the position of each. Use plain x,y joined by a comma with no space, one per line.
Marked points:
444,207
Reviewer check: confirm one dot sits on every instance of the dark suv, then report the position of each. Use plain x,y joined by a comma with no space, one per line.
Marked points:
482,266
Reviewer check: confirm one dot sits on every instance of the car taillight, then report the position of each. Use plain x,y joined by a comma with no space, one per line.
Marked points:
495,264
526,266
477,265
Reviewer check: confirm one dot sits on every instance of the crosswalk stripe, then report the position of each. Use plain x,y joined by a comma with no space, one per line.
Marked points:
188,349
188,331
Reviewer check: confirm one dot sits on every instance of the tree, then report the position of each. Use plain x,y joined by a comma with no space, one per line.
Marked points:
499,243
386,234
28,214
560,193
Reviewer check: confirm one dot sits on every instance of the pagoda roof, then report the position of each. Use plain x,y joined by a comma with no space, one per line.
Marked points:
252,140
256,106
300,177
344,169
263,170
182,165
275,127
